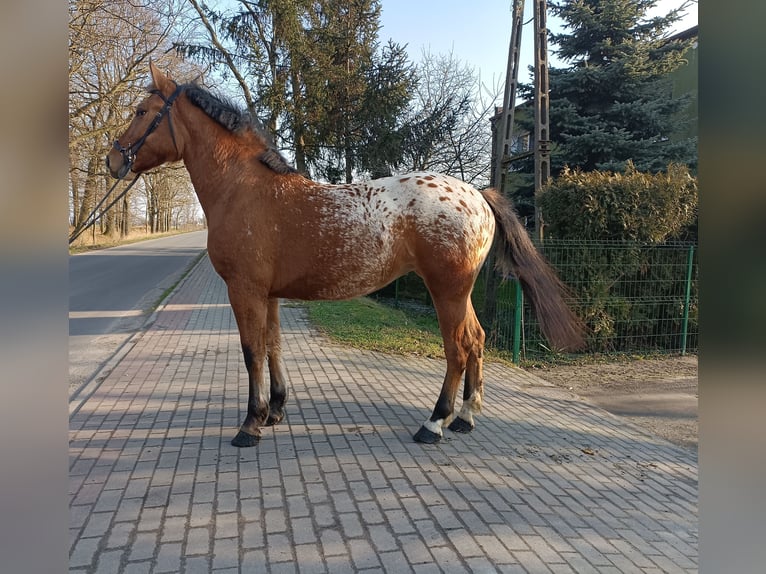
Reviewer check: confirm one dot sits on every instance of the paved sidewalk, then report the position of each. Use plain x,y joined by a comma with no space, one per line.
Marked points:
546,483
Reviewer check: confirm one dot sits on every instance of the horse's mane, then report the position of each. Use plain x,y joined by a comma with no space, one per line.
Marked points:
237,120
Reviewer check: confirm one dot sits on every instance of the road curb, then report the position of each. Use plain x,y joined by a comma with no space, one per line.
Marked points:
84,391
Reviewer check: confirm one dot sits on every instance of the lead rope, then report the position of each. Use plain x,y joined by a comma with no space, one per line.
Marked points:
79,230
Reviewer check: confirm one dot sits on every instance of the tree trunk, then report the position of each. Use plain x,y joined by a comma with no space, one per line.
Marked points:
89,194
125,219
348,152
75,186
109,223
298,126
151,211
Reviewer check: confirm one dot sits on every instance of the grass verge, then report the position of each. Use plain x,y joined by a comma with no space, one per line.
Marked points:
170,289
367,324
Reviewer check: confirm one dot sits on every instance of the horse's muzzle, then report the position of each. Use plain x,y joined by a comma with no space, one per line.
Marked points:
117,165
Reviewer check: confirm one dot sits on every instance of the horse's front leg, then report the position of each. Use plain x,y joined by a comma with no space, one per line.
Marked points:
250,311
276,374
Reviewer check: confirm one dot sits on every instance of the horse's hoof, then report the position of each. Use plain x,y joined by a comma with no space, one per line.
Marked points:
274,418
244,440
426,436
460,425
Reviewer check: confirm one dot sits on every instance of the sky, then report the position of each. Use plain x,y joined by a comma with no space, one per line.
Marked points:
478,32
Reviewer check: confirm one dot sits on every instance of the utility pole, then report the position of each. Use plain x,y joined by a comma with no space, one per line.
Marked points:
504,123
542,131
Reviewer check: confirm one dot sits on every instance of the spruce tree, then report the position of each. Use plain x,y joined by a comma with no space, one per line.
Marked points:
613,101
365,90
315,72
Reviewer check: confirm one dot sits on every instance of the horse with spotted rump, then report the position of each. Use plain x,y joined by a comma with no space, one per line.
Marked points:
273,233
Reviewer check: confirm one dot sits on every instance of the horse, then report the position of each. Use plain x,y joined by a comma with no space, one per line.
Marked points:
273,233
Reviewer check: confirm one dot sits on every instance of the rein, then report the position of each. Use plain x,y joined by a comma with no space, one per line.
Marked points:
80,230
128,156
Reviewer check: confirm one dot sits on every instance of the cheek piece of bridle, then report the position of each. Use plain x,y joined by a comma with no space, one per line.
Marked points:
129,153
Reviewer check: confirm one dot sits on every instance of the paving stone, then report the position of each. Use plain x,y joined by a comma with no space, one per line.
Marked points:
169,558
84,552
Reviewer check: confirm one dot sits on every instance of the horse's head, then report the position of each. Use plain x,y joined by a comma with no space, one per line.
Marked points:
150,139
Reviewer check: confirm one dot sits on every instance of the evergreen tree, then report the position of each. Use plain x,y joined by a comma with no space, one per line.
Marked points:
256,43
613,102
314,71
389,79
365,90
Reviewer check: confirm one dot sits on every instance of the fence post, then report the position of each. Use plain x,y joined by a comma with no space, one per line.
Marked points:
687,297
518,314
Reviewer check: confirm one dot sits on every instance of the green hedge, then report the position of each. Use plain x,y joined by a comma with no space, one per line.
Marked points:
629,206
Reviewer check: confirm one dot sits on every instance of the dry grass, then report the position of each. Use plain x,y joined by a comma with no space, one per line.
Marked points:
90,241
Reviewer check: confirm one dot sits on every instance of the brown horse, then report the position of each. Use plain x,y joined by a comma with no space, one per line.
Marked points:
274,234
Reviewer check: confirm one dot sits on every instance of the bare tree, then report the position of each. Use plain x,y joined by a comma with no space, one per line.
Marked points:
169,199
110,43
448,129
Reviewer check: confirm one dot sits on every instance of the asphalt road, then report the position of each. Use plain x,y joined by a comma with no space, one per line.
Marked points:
113,291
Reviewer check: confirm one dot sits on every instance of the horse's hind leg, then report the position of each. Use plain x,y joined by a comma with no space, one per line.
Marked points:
278,387
457,331
473,388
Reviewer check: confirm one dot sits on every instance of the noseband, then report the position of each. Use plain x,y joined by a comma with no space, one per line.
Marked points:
129,153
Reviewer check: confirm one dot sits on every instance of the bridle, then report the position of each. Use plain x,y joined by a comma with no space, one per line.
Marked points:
128,156
129,153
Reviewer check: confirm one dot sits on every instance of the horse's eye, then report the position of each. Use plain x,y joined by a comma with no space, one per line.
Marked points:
140,113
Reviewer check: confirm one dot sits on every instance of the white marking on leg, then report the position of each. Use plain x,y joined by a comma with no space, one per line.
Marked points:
470,406
435,426
466,414
475,402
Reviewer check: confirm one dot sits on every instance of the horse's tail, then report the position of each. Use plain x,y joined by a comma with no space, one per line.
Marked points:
517,254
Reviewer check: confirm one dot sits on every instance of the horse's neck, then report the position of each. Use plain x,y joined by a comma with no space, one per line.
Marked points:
215,165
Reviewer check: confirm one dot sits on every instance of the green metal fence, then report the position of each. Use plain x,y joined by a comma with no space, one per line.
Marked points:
634,298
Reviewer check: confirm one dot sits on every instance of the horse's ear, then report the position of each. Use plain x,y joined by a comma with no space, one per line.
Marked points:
160,80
